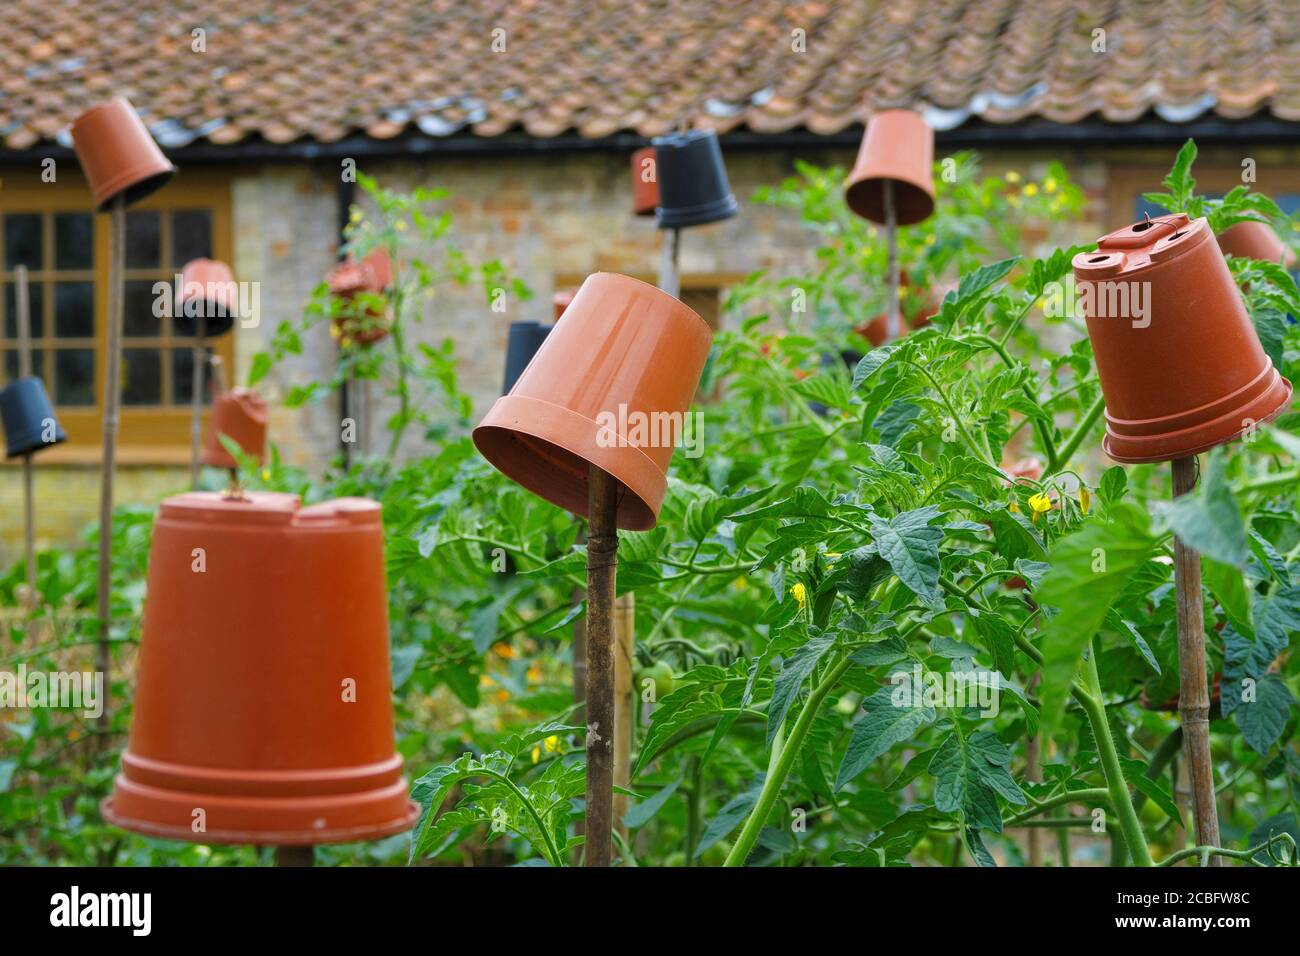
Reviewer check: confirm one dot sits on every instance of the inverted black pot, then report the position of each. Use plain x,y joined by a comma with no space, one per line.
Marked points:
850,360
522,343
693,186
25,408
214,323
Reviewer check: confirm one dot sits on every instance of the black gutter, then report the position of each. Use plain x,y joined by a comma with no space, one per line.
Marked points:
973,133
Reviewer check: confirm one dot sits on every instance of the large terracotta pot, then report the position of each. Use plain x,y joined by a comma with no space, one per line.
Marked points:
625,353
522,343
1189,375
372,275
25,410
240,415
645,182
207,290
117,154
263,694
1255,240
693,186
897,147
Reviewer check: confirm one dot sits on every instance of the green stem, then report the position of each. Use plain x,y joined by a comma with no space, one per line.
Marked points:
551,850
1044,436
777,772
399,347
1245,855
984,454
1120,799
1092,795
1081,430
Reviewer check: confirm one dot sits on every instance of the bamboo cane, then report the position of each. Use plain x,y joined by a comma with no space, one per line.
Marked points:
624,701
112,401
1194,695
892,317
199,362
24,371
295,856
602,567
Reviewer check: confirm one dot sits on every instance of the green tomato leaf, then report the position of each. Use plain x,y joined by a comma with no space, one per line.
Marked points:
1209,519
971,772
911,546
890,718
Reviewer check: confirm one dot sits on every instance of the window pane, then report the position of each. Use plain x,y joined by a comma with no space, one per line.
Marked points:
139,319
143,240
191,236
182,364
23,240
74,246
74,310
11,363
36,292
74,377
141,377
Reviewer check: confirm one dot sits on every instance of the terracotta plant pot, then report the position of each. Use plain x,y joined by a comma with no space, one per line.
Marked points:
522,343
1185,372
693,186
560,301
263,691
876,332
897,147
25,410
350,278
240,415
117,154
208,290
645,182
625,354
1171,705
1256,240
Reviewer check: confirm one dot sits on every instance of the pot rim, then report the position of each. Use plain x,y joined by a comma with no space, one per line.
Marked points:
681,217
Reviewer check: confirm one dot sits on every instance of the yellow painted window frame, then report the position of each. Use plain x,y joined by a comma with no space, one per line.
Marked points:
147,435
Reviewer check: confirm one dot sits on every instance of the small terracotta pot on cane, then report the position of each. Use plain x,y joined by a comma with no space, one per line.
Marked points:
624,353
350,278
897,147
263,708
645,182
1256,240
1187,372
117,154
240,414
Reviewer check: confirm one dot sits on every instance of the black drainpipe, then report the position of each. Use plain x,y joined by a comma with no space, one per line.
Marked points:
345,193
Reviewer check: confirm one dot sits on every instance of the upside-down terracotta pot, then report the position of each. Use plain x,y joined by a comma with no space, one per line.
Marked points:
28,417
240,414
117,154
263,689
208,291
604,389
522,342
561,300
897,147
693,186
645,182
350,278
876,330
1189,374
1256,240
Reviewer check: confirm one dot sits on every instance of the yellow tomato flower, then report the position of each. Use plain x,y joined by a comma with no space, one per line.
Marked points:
552,743
401,225
1049,185
504,650
1040,503
1031,189
1012,176
537,754
800,594
502,695
1014,508
1085,500
266,474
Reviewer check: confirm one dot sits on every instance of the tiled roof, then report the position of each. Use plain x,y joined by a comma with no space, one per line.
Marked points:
327,69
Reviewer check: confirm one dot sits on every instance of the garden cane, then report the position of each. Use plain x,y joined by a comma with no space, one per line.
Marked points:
25,371
892,318
199,361
1194,697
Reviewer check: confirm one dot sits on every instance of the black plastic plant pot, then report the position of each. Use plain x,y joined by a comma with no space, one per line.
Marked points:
26,410
522,343
693,186
850,359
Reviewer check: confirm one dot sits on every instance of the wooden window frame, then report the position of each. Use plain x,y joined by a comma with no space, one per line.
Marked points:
148,435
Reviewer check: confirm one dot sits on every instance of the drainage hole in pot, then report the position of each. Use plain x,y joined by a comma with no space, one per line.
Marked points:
1177,235
1098,259
1143,226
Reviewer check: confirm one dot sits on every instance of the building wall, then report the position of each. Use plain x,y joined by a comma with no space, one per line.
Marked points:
544,216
